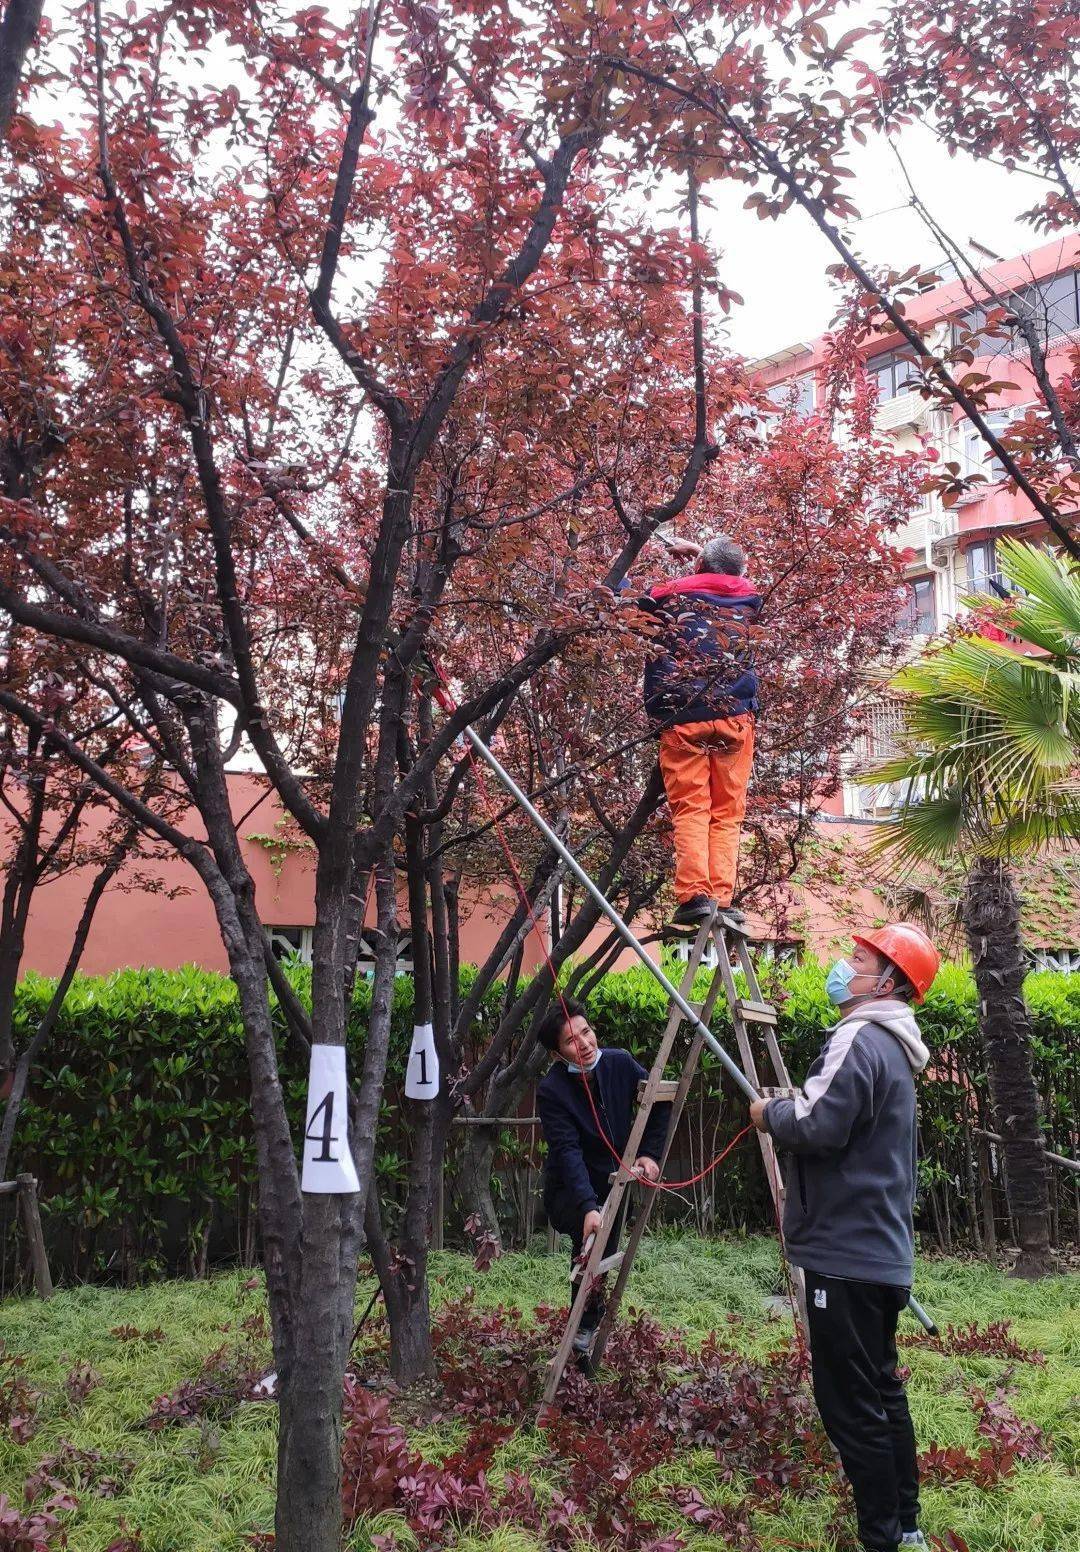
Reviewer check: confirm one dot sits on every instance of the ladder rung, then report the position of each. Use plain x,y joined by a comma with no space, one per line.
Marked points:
666,1090
755,1012
609,1263
723,927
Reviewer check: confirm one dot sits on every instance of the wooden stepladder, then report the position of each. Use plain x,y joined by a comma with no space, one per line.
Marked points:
746,1014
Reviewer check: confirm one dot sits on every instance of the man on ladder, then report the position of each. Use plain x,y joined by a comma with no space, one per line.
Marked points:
589,1084
701,691
848,1218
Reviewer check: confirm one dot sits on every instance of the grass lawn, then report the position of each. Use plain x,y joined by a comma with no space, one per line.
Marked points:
206,1486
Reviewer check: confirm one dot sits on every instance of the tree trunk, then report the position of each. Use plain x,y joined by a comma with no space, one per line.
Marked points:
506,1090
17,33
20,878
991,914
36,1044
403,1276
477,1157
408,1313
308,1515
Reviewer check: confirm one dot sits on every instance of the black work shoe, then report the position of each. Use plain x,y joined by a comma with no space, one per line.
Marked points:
732,918
692,912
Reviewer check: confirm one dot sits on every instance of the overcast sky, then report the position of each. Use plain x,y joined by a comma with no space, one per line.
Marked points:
778,267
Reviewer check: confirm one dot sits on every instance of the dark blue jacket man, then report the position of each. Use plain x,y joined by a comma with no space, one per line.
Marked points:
579,1160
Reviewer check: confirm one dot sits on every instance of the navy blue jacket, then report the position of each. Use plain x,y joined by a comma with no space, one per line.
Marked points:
577,1159
701,666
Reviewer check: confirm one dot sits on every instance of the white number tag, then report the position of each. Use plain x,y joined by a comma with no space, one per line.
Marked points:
328,1163
422,1073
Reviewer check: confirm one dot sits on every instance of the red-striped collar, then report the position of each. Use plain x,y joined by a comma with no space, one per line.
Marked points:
716,582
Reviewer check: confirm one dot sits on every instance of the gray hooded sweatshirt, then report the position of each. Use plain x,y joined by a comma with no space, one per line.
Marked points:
851,1128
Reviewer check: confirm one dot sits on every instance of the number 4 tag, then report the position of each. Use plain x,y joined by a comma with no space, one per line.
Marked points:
328,1163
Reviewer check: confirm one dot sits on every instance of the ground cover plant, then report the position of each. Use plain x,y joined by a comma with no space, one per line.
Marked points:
133,1421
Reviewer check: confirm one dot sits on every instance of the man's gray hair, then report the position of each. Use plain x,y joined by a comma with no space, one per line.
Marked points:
721,553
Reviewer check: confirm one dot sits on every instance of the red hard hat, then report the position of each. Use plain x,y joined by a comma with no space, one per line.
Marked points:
909,949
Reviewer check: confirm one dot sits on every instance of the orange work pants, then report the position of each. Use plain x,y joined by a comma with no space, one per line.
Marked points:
706,769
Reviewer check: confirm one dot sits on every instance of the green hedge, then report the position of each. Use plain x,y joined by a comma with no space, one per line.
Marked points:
138,1122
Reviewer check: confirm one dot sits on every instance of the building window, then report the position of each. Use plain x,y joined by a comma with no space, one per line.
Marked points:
879,740
708,953
1055,305
1052,305
978,459
893,372
784,951
291,943
295,943
982,568
369,940
1064,960
778,951
795,396
918,615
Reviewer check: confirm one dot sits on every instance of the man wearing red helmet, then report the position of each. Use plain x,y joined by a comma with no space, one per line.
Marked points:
848,1217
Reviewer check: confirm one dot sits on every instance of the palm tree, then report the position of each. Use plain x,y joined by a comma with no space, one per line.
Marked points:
989,766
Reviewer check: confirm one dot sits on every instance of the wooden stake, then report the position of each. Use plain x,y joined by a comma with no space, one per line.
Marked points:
28,1201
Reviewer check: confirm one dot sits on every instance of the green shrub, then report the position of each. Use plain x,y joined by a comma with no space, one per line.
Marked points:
138,1122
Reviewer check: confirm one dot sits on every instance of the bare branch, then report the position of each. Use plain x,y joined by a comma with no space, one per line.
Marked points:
116,644
714,105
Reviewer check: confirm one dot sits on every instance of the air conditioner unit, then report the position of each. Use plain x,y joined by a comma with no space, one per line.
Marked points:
939,528
906,409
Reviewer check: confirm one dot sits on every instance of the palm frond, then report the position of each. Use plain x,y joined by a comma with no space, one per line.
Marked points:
990,747
1050,614
923,831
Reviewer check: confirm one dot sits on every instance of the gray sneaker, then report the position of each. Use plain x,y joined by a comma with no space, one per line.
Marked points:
916,1539
583,1340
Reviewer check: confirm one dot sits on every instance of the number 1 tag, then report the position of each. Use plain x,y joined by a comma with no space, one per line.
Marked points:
422,1074
328,1163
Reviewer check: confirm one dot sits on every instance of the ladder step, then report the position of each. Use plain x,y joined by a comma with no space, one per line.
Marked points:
666,1090
724,927
606,1264
755,1012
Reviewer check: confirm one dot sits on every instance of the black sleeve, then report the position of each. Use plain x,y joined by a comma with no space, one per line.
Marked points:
564,1147
838,1093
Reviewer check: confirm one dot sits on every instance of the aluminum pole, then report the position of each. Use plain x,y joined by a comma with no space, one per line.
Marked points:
921,1316
611,913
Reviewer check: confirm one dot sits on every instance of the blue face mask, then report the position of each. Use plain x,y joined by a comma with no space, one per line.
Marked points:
573,1066
838,980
